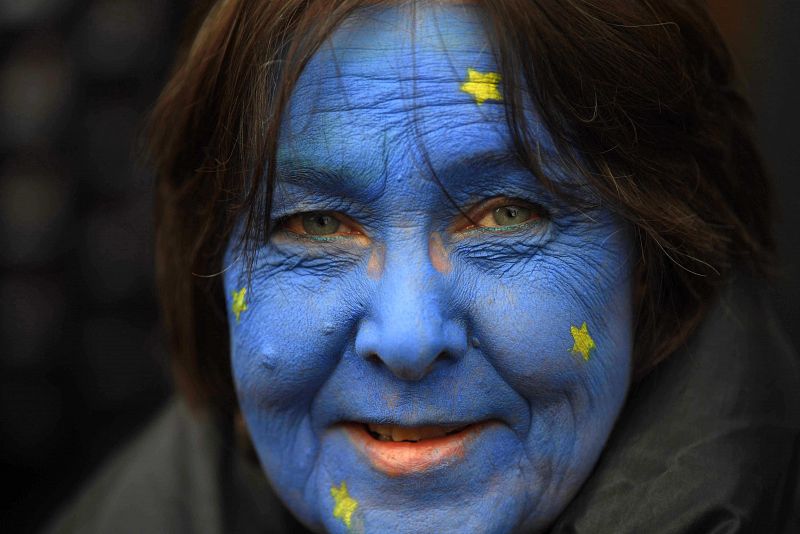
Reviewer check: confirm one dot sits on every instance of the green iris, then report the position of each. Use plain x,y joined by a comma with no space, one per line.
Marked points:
511,215
320,224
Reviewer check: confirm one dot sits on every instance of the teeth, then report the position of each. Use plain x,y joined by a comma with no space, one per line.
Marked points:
407,433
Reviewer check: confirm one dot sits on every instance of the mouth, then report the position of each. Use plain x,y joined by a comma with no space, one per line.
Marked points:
410,434
397,450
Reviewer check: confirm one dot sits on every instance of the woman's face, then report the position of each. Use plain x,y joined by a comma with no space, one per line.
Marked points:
402,367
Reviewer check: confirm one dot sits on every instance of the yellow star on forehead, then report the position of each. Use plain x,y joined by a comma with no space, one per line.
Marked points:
482,86
344,505
583,341
239,305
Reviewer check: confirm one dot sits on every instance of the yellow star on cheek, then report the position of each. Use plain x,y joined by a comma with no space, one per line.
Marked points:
482,86
583,341
239,305
343,504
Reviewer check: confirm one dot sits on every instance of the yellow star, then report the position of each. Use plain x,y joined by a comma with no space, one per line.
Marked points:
583,341
239,305
482,86
344,504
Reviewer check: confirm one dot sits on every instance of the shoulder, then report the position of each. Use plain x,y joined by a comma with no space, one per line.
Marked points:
710,439
164,481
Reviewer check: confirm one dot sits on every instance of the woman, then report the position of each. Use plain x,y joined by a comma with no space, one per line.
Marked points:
417,253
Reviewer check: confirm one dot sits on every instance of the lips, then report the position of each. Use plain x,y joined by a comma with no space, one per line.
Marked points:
397,450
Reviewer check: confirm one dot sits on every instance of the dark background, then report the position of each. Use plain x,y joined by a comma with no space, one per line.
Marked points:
82,365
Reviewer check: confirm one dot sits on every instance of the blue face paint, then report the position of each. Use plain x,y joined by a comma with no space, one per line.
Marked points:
501,343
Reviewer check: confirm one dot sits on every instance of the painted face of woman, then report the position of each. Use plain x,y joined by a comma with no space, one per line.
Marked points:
420,354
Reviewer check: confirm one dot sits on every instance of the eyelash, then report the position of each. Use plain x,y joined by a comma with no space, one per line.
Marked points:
281,224
540,214
501,229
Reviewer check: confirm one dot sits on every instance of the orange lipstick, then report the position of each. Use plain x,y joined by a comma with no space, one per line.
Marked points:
400,450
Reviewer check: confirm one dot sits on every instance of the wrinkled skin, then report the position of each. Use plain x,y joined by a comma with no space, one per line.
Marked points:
410,315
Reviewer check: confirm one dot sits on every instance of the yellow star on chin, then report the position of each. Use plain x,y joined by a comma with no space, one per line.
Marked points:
583,341
482,86
343,504
239,305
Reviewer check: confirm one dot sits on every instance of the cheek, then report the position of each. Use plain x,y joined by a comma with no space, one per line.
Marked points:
287,342
556,331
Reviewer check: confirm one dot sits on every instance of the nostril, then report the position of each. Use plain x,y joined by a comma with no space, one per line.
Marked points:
444,355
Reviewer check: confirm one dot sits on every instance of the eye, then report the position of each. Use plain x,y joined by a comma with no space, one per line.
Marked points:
319,224
509,215
501,214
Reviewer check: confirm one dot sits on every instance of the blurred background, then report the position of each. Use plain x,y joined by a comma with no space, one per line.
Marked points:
82,365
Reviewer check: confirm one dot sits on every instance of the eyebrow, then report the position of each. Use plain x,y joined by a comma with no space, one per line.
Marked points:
324,177
305,175
469,172
341,183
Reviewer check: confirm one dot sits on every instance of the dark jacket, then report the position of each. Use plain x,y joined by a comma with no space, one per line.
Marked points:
708,442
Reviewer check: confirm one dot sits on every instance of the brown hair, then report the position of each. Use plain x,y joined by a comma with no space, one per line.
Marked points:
639,97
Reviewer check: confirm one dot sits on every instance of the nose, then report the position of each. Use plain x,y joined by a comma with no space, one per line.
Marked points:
410,328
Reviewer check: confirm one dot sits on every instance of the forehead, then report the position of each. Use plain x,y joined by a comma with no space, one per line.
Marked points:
390,80
380,54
